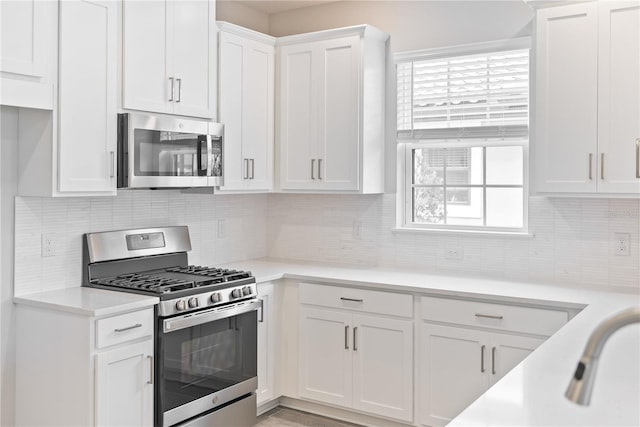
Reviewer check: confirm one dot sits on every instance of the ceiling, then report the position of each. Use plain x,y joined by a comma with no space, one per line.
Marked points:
275,6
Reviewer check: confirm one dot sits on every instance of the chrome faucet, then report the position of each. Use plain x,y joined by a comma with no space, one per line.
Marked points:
581,385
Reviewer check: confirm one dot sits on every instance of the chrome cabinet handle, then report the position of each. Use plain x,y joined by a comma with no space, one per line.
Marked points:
489,316
346,337
179,80
602,166
137,325
113,163
638,158
151,370
253,168
246,168
261,311
319,168
482,358
590,165
313,163
351,299
171,90
493,360
355,345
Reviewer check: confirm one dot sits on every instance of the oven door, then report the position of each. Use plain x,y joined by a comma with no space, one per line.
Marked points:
206,360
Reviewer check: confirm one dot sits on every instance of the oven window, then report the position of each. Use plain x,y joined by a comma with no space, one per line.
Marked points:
203,359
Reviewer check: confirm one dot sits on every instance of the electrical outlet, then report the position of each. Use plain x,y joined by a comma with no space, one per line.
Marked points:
621,242
454,252
49,244
357,230
222,232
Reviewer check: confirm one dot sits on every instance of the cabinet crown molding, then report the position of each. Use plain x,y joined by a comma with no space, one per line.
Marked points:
246,32
364,30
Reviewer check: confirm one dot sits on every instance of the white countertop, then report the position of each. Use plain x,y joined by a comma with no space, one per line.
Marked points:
533,392
87,301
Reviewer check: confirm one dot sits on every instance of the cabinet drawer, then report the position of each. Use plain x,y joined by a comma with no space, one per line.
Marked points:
529,320
357,299
125,327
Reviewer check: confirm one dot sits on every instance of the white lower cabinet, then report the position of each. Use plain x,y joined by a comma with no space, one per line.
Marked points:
466,346
124,390
355,360
266,344
84,371
458,365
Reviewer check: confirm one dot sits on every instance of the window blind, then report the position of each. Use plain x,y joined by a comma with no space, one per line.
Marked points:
479,95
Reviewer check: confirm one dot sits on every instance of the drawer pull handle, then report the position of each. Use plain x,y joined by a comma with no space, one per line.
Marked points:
482,358
346,337
489,316
137,325
351,299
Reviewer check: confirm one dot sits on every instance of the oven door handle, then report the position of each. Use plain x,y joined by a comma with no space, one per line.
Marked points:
189,320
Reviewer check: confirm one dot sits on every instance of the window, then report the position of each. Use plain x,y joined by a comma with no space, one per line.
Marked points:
463,134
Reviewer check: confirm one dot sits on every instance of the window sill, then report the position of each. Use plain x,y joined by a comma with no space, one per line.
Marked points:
501,234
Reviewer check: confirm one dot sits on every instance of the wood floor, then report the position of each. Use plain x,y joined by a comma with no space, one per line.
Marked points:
292,418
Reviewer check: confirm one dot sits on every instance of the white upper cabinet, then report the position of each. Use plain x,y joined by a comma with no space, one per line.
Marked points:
87,102
587,114
169,57
27,48
246,107
331,118
619,97
72,150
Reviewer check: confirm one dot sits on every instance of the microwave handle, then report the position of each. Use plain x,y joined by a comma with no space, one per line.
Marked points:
209,156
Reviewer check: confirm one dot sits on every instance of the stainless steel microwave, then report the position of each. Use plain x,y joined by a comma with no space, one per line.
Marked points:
168,152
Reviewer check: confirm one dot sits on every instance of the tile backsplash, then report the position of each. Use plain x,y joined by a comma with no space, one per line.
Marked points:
572,242
242,235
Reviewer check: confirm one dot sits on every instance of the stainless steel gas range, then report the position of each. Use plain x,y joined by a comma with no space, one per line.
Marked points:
206,323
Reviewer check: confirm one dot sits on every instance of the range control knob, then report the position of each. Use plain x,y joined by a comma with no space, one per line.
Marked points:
216,297
246,290
181,305
236,293
193,302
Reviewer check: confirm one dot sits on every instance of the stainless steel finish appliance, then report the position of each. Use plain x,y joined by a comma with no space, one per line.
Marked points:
206,323
168,152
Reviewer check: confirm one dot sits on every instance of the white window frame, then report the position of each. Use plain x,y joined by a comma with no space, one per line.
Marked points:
406,145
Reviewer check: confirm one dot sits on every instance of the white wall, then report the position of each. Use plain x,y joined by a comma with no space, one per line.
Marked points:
239,14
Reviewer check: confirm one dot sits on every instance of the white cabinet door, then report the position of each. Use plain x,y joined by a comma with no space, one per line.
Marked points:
87,100
145,78
298,117
192,57
383,366
454,371
325,356
507,351
266,348
339,119
258,114
566,112
247,111
124,386
23,42
169,57
619,97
